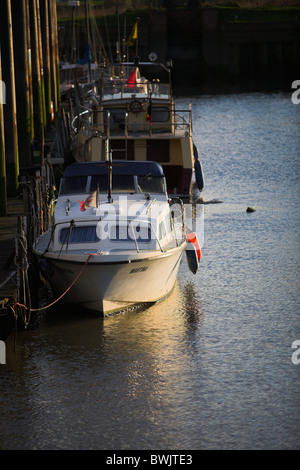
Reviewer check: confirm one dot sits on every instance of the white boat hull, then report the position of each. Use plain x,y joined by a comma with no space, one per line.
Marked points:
108,284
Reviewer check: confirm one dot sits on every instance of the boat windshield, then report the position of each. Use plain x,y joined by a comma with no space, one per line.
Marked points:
120,184
151,184
73,185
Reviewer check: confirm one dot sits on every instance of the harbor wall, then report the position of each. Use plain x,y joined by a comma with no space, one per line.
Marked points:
218,48
218,51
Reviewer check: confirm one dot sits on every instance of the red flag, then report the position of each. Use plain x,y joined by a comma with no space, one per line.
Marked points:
132,78
90,201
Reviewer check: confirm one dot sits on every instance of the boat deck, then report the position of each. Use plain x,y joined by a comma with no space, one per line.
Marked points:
108,123
178,134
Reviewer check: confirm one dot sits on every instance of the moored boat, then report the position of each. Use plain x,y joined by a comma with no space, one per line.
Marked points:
116,239
142,123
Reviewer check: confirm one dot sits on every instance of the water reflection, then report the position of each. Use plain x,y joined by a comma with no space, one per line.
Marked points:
210,366
130,371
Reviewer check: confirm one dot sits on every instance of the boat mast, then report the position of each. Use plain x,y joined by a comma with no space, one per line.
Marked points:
87,23
119,37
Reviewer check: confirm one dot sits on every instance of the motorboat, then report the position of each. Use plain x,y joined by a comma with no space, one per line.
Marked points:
141,121
116,239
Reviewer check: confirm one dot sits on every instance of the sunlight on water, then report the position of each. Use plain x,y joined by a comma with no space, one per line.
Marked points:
210,366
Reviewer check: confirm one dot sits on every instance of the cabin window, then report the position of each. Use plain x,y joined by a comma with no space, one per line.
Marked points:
120,183
117,116
168,223
122,149
73,185
160,114
142,234
162,230
151,184
83,234
164,227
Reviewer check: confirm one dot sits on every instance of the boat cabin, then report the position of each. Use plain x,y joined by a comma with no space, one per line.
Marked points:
141,121
141,221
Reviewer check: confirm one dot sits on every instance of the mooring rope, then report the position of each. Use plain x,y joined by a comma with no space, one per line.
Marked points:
62,295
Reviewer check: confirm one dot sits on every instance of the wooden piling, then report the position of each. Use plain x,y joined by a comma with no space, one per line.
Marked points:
3,197
22,82
41,59
31,79
27,11
54,55
10,113
44,15
36,74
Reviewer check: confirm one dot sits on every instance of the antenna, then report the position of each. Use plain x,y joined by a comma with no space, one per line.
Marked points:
119,38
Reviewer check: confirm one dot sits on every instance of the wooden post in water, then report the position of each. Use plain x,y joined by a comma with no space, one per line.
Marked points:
46,54
22,81
54,54
10,113
36,76
52,57
40,49
3,198
29,55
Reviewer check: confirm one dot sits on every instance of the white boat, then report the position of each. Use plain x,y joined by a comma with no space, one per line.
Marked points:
116,239
142,123
78,75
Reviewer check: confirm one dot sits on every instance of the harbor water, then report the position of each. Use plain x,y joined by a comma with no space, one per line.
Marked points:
213,365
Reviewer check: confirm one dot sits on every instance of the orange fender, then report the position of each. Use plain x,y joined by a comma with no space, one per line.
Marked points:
192,238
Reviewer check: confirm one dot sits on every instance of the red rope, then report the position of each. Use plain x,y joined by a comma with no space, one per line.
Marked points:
62,295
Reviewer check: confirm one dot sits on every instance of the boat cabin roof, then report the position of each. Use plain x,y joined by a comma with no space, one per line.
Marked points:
119,168
127,177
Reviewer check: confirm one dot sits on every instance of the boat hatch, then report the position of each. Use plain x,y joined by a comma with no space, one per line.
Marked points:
82,234
130,233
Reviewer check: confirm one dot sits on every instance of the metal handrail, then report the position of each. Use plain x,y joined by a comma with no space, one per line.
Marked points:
152,231
130,222
86,121
148,89
135,241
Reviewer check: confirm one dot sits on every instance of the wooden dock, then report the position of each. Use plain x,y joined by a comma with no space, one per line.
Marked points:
8,289
8,226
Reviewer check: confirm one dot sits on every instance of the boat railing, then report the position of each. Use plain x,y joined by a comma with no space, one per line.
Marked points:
152,232
74,74
178,219
104,123
177,229
121,89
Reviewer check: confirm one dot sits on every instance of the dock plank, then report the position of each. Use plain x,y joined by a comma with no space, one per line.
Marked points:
8,226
